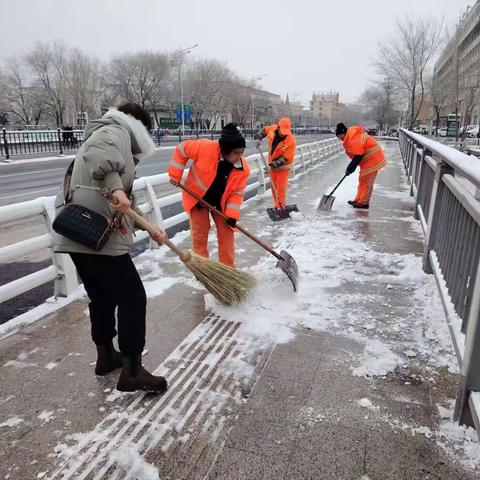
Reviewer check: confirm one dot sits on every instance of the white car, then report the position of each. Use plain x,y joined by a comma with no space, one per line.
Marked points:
442,132
473,131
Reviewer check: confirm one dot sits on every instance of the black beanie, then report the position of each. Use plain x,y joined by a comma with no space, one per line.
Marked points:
341,129
231,139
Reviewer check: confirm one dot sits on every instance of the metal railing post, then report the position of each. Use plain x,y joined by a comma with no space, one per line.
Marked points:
155,215
60,141
470,373
66,282
5,142
434,213
262,187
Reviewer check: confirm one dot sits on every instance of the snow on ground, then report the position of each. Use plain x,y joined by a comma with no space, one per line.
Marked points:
12,422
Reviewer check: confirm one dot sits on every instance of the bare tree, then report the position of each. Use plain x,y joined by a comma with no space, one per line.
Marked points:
240,105
85,81
48,62
20,98
406,59
439,101
143,78
205,91
380,100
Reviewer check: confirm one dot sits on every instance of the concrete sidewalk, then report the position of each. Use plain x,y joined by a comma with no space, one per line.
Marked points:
351,378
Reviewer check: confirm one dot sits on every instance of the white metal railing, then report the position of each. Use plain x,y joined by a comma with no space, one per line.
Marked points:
62,270
446,185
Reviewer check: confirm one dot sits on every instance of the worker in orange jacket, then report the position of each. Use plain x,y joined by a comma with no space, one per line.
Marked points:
365,151
219,175
281,154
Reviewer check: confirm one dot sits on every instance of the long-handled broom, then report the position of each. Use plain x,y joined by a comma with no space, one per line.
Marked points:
227,284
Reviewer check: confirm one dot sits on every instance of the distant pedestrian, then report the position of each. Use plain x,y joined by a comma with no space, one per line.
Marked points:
365,152
113,146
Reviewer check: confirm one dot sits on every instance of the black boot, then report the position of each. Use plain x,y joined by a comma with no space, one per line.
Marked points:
108,359
135,377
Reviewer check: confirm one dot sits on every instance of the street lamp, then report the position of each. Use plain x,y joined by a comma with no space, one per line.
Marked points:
254,79
181,54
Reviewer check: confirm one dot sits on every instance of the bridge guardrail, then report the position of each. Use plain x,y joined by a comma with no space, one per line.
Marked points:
62,270
446,186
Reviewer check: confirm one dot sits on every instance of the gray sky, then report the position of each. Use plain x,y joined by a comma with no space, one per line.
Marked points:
303,45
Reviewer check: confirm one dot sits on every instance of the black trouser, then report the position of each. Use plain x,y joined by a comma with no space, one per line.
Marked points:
113,282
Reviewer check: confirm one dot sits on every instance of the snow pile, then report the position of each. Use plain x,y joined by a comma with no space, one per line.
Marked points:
12,422
377,360
134,465
458,440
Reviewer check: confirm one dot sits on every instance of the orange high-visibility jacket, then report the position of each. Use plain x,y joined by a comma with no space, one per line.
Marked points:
206,155
358,142
286,148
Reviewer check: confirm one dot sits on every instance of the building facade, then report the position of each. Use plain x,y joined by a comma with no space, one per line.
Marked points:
457,72
326,107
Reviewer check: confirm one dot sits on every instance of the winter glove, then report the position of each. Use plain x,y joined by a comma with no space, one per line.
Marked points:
231,222
352,166
277,163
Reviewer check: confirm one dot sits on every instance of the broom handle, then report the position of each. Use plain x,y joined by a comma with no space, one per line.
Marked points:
243,230
269,173
145,224
338,184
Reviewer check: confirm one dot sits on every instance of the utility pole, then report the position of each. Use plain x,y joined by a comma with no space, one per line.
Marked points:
252,100
181,54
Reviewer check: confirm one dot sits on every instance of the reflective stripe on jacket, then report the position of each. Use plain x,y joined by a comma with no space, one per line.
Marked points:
205,155
358,142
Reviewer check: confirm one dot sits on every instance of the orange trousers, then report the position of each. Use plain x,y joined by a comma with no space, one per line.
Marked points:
200,227
280,180
365,187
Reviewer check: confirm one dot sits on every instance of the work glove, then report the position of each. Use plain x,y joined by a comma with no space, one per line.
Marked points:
231,222
277,163
258,142
352,166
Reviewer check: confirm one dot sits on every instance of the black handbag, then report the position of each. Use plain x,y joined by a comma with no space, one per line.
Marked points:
80,224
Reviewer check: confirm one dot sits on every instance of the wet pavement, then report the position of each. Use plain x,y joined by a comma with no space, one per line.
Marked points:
314,405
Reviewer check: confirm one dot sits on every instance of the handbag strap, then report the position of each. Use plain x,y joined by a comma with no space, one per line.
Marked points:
67,192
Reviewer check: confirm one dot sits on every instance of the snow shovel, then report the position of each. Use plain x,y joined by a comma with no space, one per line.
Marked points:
281,213
286,262
326,203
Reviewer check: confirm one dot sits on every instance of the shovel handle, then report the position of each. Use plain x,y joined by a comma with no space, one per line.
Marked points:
269,173
239,227
338,184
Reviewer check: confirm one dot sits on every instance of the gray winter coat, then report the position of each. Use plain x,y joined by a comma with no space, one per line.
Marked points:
105,160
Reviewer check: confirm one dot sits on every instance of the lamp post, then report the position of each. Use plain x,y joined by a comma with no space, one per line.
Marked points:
254,79
181,54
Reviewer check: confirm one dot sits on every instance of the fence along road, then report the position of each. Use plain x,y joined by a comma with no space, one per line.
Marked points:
164,211
446,186
23,181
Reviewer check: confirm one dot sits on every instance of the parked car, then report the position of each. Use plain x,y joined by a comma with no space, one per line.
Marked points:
372,130
393,132
472,132
442,132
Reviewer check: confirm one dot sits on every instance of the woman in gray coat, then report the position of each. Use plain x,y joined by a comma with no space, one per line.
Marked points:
113,145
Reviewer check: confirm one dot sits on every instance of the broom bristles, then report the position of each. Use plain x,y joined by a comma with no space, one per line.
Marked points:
227,284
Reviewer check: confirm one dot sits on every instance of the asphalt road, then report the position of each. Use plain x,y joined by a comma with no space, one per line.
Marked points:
26,180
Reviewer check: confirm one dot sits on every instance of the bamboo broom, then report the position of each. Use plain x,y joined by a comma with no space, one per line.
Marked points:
227,284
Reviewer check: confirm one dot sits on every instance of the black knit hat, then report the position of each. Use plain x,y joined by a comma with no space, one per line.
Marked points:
231,139
341,129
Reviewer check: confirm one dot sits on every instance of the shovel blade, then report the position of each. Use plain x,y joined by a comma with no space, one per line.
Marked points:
289,266
279,214
326,203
